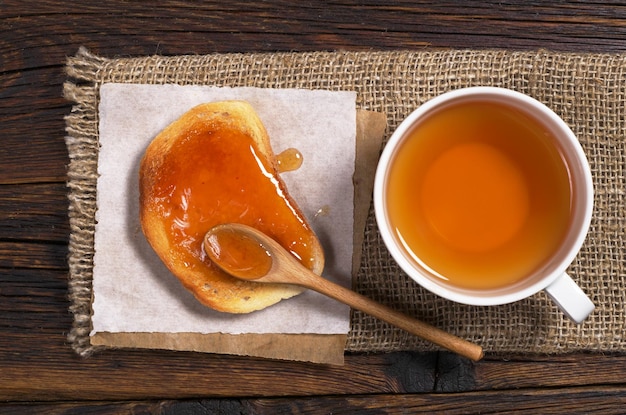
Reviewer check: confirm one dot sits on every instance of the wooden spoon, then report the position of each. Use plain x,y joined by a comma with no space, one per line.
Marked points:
249,254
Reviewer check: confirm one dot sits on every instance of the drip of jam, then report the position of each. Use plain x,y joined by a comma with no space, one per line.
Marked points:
289,160
323,211
209,179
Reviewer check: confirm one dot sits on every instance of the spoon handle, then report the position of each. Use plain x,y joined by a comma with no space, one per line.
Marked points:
382,312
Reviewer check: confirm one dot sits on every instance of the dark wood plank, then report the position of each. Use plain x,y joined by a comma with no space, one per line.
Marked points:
32,300
34,212
177,27
33,255
32,109
596,400
578,369
503,372
602,400
141,375
111,408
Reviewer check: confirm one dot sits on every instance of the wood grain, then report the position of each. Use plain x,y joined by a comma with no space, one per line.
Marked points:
597,400
39,371
570,401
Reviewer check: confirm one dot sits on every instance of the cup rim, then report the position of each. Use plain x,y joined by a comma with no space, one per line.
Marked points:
477,297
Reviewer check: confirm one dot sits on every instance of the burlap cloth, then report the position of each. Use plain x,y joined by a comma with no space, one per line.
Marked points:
587,90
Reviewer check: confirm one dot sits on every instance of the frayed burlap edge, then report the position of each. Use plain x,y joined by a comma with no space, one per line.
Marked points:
82,145
586,90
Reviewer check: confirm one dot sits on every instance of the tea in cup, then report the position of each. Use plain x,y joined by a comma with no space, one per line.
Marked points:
484,196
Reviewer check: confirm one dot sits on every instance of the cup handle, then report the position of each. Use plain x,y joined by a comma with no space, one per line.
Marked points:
570,298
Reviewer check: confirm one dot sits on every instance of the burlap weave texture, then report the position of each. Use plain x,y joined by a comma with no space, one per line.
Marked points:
587,90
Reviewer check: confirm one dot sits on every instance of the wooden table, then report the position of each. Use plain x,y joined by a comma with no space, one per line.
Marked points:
38,369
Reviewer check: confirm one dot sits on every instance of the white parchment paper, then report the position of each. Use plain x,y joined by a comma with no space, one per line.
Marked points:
134,292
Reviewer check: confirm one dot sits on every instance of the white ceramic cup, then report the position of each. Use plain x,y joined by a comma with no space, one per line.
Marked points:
552,278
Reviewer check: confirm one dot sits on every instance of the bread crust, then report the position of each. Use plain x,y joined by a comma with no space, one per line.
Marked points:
224,120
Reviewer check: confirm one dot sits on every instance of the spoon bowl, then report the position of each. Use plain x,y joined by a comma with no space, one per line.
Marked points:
248,254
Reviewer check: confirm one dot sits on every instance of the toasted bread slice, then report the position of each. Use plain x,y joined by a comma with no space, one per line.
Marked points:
215,165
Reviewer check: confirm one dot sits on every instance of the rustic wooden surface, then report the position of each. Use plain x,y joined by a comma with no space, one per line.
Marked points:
38,371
